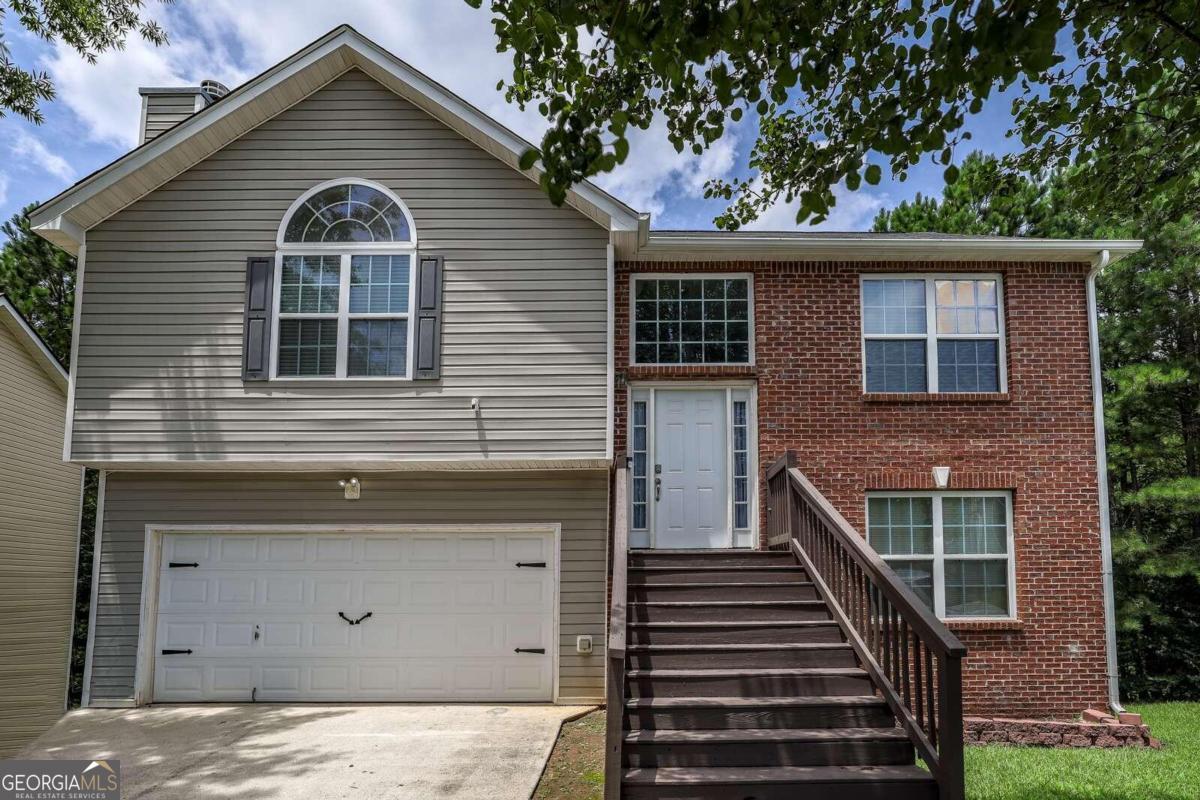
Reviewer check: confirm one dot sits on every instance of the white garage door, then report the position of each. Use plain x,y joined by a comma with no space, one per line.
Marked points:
355,616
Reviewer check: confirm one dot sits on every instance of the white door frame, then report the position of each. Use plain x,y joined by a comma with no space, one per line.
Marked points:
143,680
650,388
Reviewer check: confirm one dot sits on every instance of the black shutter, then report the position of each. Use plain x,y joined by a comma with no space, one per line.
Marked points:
256,338
428,344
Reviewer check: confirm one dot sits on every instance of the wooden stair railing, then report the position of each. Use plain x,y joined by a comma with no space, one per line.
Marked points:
911,655
614,694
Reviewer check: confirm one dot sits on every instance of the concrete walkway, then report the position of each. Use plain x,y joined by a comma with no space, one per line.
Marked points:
464,752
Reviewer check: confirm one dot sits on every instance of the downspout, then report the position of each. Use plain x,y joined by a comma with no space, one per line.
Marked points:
1110,612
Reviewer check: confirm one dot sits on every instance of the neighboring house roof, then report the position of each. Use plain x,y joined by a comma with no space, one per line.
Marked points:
65,219
24,333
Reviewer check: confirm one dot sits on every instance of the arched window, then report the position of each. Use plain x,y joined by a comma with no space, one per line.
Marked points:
344,284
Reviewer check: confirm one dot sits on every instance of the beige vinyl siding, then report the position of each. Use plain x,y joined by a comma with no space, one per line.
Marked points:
39,528
578,500
164,111
159,375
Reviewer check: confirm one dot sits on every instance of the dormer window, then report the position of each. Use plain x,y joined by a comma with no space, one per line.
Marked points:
344,285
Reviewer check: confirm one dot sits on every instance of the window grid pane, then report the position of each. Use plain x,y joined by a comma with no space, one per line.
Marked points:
379,284
967,306
307,347
896,365
310,284
901,525
691,321
968,365
975,525
638,449
741,466
894,306
378,348
976,588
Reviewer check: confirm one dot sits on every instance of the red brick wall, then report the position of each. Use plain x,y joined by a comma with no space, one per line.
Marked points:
1037,441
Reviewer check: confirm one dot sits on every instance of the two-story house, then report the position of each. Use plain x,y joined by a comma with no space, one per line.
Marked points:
368,407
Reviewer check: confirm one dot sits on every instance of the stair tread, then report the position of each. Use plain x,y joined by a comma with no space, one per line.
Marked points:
744,672
734,647
796,623
718,585
864,700
718,568
646,776
705,551
727,603
765,735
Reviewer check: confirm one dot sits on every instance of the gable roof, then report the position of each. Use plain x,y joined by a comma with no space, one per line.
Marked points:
24,333
65,218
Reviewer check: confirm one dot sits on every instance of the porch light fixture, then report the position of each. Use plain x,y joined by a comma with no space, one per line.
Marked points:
351,487
941,477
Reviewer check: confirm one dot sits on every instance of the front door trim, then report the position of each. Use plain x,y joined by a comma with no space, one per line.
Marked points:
638,389
143,681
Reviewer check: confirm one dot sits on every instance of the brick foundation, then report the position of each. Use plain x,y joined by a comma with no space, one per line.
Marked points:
1036,440
1036,733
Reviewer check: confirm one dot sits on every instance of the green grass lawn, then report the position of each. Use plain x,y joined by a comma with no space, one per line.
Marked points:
996,772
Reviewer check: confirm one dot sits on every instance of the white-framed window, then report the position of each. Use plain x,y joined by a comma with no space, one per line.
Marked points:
344,285
933,333
692,319
953,549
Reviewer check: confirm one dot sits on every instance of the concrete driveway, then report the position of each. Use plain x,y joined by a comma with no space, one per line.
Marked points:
315,751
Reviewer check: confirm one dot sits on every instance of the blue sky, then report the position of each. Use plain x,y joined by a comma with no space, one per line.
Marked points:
94,119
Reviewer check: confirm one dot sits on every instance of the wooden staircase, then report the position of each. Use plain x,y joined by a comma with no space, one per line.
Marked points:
740,684
805,671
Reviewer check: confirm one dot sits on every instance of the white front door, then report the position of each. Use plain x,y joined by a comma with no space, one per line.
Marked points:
691,469
336,616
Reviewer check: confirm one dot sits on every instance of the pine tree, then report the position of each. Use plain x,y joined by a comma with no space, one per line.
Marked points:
39,280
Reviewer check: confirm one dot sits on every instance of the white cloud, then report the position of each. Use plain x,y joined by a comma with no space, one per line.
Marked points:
38,155
654,172
854,212
3,188
232,40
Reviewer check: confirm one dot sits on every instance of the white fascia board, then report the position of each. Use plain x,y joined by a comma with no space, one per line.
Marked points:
51,219
881,248
350,462
33,343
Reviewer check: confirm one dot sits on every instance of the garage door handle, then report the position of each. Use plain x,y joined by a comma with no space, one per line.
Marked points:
354,621
541,650
541,564
176,652
178,564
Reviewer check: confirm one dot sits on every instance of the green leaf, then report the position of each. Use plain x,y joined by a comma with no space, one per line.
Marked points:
528,159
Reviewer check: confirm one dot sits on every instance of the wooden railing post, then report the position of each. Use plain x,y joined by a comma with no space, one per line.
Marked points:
614,691
952,782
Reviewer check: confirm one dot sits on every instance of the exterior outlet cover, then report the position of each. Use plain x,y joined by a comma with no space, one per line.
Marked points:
583,644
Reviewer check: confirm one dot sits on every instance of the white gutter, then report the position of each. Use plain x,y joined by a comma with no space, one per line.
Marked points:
1110,612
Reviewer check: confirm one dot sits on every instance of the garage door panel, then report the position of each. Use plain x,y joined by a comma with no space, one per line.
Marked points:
260,614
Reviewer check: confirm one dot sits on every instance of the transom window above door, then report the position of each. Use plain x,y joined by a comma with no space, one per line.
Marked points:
344,284
936,333
692,319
